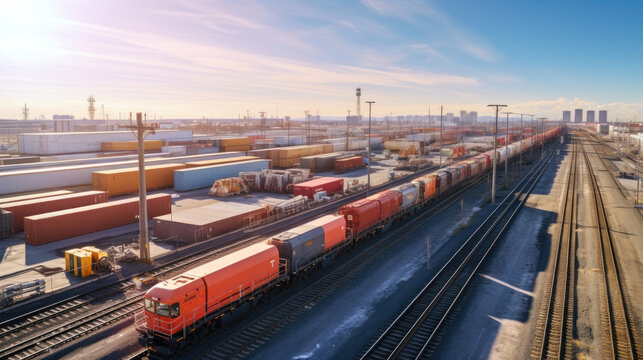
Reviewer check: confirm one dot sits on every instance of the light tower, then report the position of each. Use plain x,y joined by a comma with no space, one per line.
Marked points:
91,108
358,93
25,112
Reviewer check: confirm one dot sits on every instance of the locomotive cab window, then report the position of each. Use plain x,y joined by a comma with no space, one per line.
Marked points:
149,305
174,310
163,309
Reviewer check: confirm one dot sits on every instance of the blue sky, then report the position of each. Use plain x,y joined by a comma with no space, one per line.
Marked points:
218,58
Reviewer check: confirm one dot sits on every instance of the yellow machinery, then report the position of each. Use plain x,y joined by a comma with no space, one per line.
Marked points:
79,261
86,261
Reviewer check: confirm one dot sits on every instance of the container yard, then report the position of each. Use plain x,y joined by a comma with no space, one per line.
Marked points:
75,175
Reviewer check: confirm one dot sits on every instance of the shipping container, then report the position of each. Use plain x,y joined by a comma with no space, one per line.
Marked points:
91,158
310,188
34,196
205,222
334,227
21,209
13,160
219,161
126,181
90,141
398,145
361,215
299,245
205,176
148,145
48,227
6,224
409,195
64,176
390,203
343,165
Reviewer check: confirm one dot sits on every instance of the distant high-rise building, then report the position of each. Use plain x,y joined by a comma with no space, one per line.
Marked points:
463,116
602,116
578,115
449,117
473,117
567,116
590,116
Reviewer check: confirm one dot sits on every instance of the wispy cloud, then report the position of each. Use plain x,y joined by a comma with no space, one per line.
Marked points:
418,12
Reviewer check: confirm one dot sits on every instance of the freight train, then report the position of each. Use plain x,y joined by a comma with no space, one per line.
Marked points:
189,305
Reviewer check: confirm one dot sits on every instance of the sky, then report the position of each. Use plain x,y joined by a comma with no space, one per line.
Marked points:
217,59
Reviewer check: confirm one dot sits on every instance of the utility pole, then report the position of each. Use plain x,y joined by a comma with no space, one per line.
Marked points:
263,123
287,119
142,130
441,108
507,153
25,113
495,144
542,136
239,124
368,164
347,123
248,119
307,112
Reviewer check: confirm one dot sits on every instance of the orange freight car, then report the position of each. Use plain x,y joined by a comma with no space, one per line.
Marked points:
178,303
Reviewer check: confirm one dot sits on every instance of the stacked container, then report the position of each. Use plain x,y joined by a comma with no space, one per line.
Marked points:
229,160
234,144
205,176
125,181
22,209
48,227
148,145
346,164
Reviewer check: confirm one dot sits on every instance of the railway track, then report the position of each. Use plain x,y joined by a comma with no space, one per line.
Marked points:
553,336
32,334
413,333
620,337
245,340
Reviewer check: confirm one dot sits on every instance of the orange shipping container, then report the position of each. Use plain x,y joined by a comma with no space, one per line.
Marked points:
219,161
45,228
125,181
148,145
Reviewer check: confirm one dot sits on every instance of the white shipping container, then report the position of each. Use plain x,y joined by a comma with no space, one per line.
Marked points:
292,140
81,161
82,142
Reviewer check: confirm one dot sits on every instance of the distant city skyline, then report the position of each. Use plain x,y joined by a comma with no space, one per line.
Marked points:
192,59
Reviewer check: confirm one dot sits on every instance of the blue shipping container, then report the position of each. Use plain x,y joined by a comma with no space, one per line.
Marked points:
204,177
